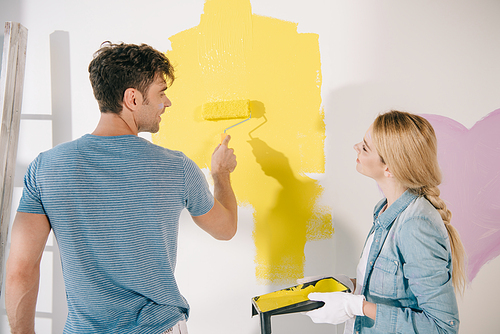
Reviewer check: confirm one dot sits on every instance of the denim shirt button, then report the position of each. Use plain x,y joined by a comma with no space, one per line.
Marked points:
452,323
371,262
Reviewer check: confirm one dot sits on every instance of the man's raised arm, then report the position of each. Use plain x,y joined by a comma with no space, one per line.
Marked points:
222,220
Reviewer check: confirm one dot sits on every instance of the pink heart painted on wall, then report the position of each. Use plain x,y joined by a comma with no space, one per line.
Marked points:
470,162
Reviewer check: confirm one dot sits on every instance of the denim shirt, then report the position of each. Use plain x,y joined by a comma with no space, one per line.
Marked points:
408,274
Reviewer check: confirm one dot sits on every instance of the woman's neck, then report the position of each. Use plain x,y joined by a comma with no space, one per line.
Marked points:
392,190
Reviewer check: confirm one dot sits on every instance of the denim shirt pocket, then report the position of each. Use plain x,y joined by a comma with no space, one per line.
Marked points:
386,279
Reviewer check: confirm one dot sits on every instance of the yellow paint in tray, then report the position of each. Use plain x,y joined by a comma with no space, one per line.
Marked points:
296,294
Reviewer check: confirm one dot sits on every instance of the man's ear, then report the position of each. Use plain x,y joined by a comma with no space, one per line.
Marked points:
132,98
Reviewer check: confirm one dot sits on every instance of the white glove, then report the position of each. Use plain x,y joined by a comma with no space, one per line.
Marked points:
339,307
341,278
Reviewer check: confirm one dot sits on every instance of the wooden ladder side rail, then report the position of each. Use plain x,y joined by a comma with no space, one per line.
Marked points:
11,95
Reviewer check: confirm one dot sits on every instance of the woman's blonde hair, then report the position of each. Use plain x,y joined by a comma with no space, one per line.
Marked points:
408,145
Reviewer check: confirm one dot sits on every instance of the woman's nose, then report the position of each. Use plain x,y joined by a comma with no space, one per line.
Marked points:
356,147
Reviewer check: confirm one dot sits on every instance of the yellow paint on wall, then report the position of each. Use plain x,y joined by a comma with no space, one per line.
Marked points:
231,55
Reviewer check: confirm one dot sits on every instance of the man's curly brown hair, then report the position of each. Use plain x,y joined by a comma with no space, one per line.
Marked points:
117,67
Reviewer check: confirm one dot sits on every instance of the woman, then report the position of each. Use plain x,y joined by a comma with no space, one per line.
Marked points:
413,258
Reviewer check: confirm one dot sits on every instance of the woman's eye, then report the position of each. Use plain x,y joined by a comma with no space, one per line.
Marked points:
364,148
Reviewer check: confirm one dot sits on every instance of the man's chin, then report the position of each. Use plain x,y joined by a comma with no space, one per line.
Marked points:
154,129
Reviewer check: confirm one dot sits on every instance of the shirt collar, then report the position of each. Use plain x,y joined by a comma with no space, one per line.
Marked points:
387,217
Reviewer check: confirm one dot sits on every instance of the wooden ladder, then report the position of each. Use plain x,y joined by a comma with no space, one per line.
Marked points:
11,95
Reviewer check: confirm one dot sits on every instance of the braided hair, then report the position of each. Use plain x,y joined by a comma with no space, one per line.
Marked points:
407,144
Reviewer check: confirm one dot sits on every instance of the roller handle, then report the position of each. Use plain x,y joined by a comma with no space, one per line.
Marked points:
222,137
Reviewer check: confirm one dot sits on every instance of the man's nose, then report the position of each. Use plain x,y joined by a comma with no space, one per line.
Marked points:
167,103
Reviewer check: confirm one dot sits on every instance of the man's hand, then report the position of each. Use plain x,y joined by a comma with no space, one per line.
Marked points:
223,158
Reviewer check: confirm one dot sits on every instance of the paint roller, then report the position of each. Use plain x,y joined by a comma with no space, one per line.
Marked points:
226,110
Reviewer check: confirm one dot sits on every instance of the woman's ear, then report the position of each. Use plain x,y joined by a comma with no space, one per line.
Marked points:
132,98
387,172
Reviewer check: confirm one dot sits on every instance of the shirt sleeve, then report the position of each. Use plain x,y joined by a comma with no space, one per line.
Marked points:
197,196
31,201
427,269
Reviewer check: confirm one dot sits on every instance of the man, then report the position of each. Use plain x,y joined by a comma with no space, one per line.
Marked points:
113,201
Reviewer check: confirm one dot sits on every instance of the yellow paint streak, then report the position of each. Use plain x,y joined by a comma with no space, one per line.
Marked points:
232,55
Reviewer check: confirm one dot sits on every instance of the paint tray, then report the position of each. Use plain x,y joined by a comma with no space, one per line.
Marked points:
292,300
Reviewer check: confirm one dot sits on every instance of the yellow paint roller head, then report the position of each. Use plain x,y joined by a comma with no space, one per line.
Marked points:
224,110
214,111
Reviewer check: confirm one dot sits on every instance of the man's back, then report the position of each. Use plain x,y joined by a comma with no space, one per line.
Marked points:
113,201
114,205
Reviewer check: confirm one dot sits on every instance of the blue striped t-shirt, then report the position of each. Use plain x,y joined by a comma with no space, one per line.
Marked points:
114,205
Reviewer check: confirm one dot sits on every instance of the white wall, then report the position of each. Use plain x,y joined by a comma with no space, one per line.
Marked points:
429,57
